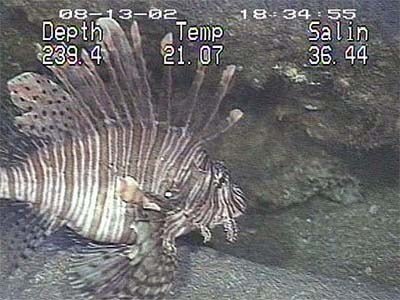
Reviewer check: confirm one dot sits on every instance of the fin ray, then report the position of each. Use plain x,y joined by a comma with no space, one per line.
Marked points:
114,271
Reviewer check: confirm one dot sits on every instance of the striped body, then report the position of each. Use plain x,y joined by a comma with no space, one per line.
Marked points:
76,180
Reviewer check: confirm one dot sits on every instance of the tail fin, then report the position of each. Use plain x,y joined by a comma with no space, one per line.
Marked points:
14,145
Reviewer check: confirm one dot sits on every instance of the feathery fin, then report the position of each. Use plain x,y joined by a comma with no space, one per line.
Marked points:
112,271
84,100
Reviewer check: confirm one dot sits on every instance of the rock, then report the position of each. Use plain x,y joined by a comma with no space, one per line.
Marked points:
279,169
373,209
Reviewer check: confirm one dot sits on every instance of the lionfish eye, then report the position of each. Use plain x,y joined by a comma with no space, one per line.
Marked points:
168,194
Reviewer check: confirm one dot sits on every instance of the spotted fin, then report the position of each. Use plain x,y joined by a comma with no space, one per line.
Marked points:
48,110
113,271
79,100
29,229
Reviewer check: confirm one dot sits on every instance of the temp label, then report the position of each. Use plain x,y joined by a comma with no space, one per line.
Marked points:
323,52
59,48
209,50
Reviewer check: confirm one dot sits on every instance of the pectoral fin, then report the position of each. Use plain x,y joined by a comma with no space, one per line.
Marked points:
129,191
113,271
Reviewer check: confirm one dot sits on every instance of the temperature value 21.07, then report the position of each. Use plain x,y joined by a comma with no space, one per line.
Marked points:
207,54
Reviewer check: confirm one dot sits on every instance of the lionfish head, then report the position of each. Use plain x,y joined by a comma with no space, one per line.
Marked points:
216,199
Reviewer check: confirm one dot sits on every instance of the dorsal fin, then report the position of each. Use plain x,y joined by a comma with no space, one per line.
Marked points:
209,127
126,95
192,112
165,101
83,100
127,83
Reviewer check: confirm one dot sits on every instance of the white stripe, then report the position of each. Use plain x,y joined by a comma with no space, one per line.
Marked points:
139,168
55,199
62,191
160,161
75,185
80,211
4,184
21,184
14,179
94,172
32,172
105,220
116,207
150,145
49,180
44,179
129,152
28,183
124,154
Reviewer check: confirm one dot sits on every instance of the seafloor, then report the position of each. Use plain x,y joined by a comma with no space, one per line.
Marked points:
307,252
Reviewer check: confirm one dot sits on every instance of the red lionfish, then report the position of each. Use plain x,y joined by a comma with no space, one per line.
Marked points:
114,166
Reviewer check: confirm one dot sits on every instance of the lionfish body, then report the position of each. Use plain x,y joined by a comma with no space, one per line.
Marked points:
115,167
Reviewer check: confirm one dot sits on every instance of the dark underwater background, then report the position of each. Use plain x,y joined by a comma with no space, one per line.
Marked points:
317,154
